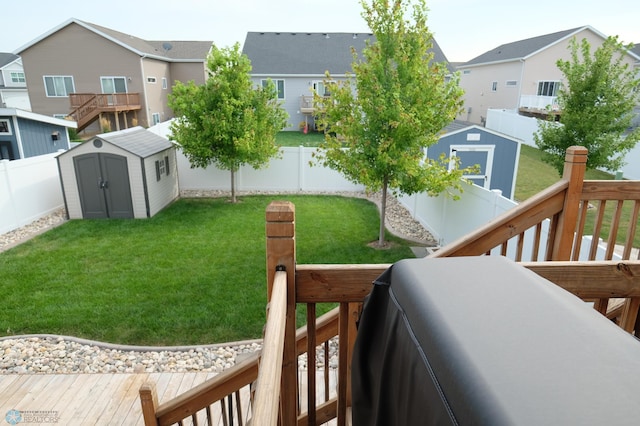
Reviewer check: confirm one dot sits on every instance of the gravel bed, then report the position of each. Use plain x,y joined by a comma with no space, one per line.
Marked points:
45,354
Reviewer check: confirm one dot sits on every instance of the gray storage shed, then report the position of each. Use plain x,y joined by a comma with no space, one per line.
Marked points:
125,174
496,154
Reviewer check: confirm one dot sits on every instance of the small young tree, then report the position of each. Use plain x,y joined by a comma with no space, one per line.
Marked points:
227,121
596,102
396,103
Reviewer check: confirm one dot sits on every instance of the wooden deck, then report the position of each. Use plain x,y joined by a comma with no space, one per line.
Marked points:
100,399
89,399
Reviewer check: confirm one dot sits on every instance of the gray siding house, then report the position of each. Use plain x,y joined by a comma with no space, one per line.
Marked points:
94,73
13,84
130,173
297,63
24,134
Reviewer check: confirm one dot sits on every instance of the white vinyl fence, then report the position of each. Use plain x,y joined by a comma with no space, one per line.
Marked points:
510,123
29,190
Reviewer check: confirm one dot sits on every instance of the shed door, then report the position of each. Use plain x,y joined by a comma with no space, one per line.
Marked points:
481,155
103,184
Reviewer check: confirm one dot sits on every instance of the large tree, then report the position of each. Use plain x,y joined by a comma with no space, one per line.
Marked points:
396,103
596,101
228,121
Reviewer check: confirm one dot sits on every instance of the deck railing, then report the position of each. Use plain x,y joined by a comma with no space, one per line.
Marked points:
86,107
564,207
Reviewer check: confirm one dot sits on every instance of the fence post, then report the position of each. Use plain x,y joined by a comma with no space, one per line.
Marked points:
281,252
575,164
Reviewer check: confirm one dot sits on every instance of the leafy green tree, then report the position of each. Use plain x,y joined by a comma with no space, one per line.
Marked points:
596,102
227,121
396,103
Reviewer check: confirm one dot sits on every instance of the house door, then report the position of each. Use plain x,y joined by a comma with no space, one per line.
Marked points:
471,155
103,185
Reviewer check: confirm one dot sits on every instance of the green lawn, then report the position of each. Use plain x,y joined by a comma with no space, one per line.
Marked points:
193,274
311,139
535,175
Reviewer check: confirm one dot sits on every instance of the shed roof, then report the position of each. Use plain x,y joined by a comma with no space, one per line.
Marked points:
137,141
274,53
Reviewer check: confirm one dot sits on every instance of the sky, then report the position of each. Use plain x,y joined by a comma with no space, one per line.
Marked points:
464,29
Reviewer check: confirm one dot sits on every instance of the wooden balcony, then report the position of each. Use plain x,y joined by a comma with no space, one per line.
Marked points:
88,107
282,395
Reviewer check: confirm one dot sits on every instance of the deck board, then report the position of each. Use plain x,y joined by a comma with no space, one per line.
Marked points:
103,399
90,399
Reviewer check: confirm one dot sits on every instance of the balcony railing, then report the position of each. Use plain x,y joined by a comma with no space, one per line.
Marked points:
543,103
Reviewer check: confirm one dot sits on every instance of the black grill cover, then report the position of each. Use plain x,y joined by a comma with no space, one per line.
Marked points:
484,341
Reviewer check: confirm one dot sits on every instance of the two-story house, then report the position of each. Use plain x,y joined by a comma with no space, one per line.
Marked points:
96,74
522,75
297,64
13,85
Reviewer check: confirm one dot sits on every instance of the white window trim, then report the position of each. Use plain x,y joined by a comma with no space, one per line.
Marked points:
17,77
152,80
66,95
494,86
112,78
164,83
275,81
9,131
511,83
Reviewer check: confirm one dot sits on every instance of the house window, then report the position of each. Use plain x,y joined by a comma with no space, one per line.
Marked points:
323,88
466,72
113,85
511,83
155,118
494,86
5,127
548,88
279,86
151,80
17,77
58,86
164,83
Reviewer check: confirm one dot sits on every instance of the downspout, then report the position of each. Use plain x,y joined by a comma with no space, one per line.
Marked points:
144,89
520,85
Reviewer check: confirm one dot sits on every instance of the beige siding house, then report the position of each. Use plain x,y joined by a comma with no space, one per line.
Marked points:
92,72
521,75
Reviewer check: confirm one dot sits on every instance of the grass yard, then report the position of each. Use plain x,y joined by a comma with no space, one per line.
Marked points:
535,175
193,274
311,139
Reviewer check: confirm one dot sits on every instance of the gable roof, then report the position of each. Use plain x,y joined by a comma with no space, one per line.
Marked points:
170,51
274,53
7,58
137,141
523,49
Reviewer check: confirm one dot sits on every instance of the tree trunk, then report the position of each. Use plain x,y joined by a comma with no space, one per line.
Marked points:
233,186
383,212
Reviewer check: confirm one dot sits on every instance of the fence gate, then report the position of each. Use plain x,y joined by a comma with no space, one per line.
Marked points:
103,186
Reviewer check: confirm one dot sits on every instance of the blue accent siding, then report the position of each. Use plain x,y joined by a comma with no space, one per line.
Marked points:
504,158
37,140
9,143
